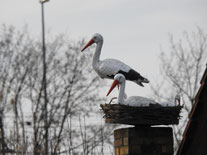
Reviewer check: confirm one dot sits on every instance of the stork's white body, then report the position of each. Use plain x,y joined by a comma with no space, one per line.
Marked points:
139,101
110,67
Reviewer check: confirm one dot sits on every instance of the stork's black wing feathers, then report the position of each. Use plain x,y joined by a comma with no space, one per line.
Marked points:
132,75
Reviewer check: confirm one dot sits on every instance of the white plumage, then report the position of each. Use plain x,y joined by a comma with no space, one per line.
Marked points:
108,68
139,101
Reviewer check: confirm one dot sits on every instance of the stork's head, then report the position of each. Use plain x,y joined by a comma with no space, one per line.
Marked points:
95,39
118,79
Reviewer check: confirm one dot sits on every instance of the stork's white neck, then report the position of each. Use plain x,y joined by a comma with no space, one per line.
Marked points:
96,56
122,93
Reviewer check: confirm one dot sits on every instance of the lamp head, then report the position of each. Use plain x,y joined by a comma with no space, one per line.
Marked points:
43,1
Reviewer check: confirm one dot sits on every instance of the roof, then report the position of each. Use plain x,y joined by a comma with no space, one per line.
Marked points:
195,135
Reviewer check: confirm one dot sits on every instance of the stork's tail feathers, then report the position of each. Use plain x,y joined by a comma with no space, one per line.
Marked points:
144,80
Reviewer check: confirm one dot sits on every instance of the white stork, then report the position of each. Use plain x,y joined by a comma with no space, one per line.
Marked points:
108,68
133,100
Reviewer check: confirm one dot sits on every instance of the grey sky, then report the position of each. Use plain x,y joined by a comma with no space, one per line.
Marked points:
133,30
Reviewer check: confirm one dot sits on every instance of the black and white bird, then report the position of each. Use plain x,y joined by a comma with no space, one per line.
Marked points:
122,97
136,100
108,68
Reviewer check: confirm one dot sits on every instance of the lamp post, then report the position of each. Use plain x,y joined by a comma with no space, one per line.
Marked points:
44,76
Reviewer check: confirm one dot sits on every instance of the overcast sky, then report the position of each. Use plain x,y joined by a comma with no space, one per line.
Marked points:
133,30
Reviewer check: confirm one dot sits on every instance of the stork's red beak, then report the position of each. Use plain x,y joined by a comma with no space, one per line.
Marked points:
113,86
88,44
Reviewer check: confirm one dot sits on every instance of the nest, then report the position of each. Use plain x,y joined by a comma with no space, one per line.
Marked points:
151,115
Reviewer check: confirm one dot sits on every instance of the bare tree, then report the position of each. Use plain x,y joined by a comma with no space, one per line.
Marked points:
181,68
73,95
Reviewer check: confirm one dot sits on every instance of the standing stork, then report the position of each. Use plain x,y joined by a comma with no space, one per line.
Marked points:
108,68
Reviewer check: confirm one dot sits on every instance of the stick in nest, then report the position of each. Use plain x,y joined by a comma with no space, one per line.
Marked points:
113,98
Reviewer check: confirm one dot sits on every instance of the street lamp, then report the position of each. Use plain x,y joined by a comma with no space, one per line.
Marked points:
44,76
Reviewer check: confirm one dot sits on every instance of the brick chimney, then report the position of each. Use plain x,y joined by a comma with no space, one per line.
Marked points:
143,140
